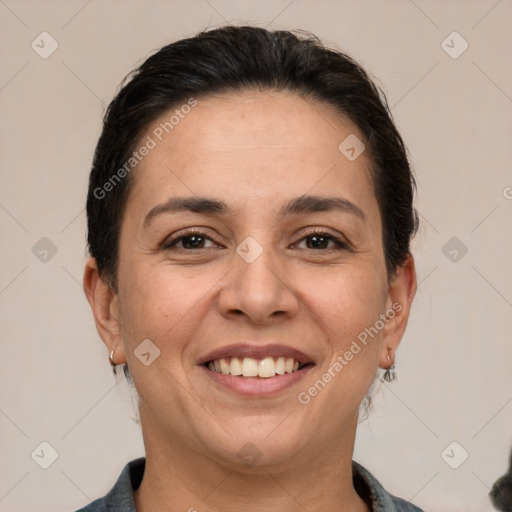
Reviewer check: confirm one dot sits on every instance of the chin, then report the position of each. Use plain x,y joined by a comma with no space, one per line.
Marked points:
259,446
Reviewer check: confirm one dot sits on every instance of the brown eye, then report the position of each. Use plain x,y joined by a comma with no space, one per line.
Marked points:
192,242
318,241
188,241
321,240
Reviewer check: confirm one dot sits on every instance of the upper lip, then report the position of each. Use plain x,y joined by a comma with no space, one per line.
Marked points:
258,351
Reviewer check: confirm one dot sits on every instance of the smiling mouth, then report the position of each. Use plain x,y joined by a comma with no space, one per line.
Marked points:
248,367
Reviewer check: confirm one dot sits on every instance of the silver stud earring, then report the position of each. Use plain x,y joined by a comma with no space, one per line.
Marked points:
390,373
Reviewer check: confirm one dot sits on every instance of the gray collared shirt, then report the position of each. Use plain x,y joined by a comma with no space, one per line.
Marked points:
120,498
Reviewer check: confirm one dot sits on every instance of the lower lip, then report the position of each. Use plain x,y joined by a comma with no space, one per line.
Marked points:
257,386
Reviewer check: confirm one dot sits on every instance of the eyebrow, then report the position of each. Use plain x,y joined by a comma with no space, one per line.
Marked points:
297,206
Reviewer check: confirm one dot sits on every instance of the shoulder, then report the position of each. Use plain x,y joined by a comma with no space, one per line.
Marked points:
371,489
120,497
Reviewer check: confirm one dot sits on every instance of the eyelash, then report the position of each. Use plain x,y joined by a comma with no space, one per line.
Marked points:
341,245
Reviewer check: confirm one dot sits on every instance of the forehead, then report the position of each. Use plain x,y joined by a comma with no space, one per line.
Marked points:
256,144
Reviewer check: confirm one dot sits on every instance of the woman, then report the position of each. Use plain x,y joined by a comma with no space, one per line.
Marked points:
250,210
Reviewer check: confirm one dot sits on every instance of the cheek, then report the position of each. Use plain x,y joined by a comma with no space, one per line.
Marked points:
163,304
348,300
348,310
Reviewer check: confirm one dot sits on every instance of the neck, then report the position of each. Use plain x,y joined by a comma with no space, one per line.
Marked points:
178,478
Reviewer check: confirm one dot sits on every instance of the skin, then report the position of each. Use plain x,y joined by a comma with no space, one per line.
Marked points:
255,151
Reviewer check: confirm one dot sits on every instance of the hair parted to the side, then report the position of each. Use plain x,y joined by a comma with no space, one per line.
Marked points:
235,58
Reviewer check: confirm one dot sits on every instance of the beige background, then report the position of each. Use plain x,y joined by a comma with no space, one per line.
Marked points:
455,116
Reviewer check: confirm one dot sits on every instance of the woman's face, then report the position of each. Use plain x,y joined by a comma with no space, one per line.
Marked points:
285,261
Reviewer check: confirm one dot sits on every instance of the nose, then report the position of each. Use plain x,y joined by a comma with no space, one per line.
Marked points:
260,291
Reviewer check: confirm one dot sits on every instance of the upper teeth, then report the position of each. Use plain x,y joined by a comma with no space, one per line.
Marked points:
249,367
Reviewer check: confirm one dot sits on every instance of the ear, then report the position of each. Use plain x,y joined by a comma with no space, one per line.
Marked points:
105,308
402,289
